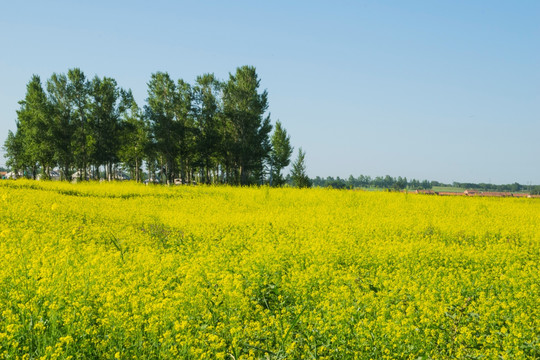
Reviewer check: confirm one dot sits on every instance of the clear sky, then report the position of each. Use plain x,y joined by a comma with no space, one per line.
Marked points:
438,90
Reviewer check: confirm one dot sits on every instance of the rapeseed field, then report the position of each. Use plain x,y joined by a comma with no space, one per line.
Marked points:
126,271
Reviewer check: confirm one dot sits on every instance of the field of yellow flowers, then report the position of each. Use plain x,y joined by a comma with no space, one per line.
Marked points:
126,271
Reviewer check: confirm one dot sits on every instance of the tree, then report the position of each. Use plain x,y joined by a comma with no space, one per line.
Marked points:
515,187
184,129
134,139
378,182
388,182
426,185
400,183
318,181
351,182
211,132
206,109
280,155
298,173
107,104
63,126
247,129
82,139
14,151
35,126
161,114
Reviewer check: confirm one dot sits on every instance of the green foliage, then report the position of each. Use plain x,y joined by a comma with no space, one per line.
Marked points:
185,130
280,156
106,107
208,116
134,143
400,184
247,129
212,132
62,125
298,173
162,100
82,139
14,151
34,116
380,182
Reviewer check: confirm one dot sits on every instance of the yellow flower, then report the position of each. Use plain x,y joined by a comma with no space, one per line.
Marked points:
222,272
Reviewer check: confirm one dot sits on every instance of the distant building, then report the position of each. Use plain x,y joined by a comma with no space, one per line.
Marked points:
77,175
14,175
121,176
55,175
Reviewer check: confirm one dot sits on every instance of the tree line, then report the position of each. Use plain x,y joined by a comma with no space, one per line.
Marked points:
515,187
211,131
401,183
380,182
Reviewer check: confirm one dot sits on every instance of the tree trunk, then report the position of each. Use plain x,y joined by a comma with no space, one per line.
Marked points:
136,170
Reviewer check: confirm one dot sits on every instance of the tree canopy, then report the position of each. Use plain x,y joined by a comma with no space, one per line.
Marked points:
211,132
298,173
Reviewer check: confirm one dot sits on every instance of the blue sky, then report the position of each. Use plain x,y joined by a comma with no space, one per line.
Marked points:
439,90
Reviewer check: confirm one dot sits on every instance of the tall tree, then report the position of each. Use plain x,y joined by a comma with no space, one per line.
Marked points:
82,139
161,113
298,173
184,129
134,140
280,155
108,102
244,108
63,126
34,122
14,151
206,109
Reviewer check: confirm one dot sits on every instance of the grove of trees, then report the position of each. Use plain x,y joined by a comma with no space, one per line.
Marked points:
211,131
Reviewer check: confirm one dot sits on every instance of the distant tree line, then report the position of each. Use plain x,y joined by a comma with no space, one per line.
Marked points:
211,131
515,187
400,183
379,182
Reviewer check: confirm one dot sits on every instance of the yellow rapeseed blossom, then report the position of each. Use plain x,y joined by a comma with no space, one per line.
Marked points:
122,270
